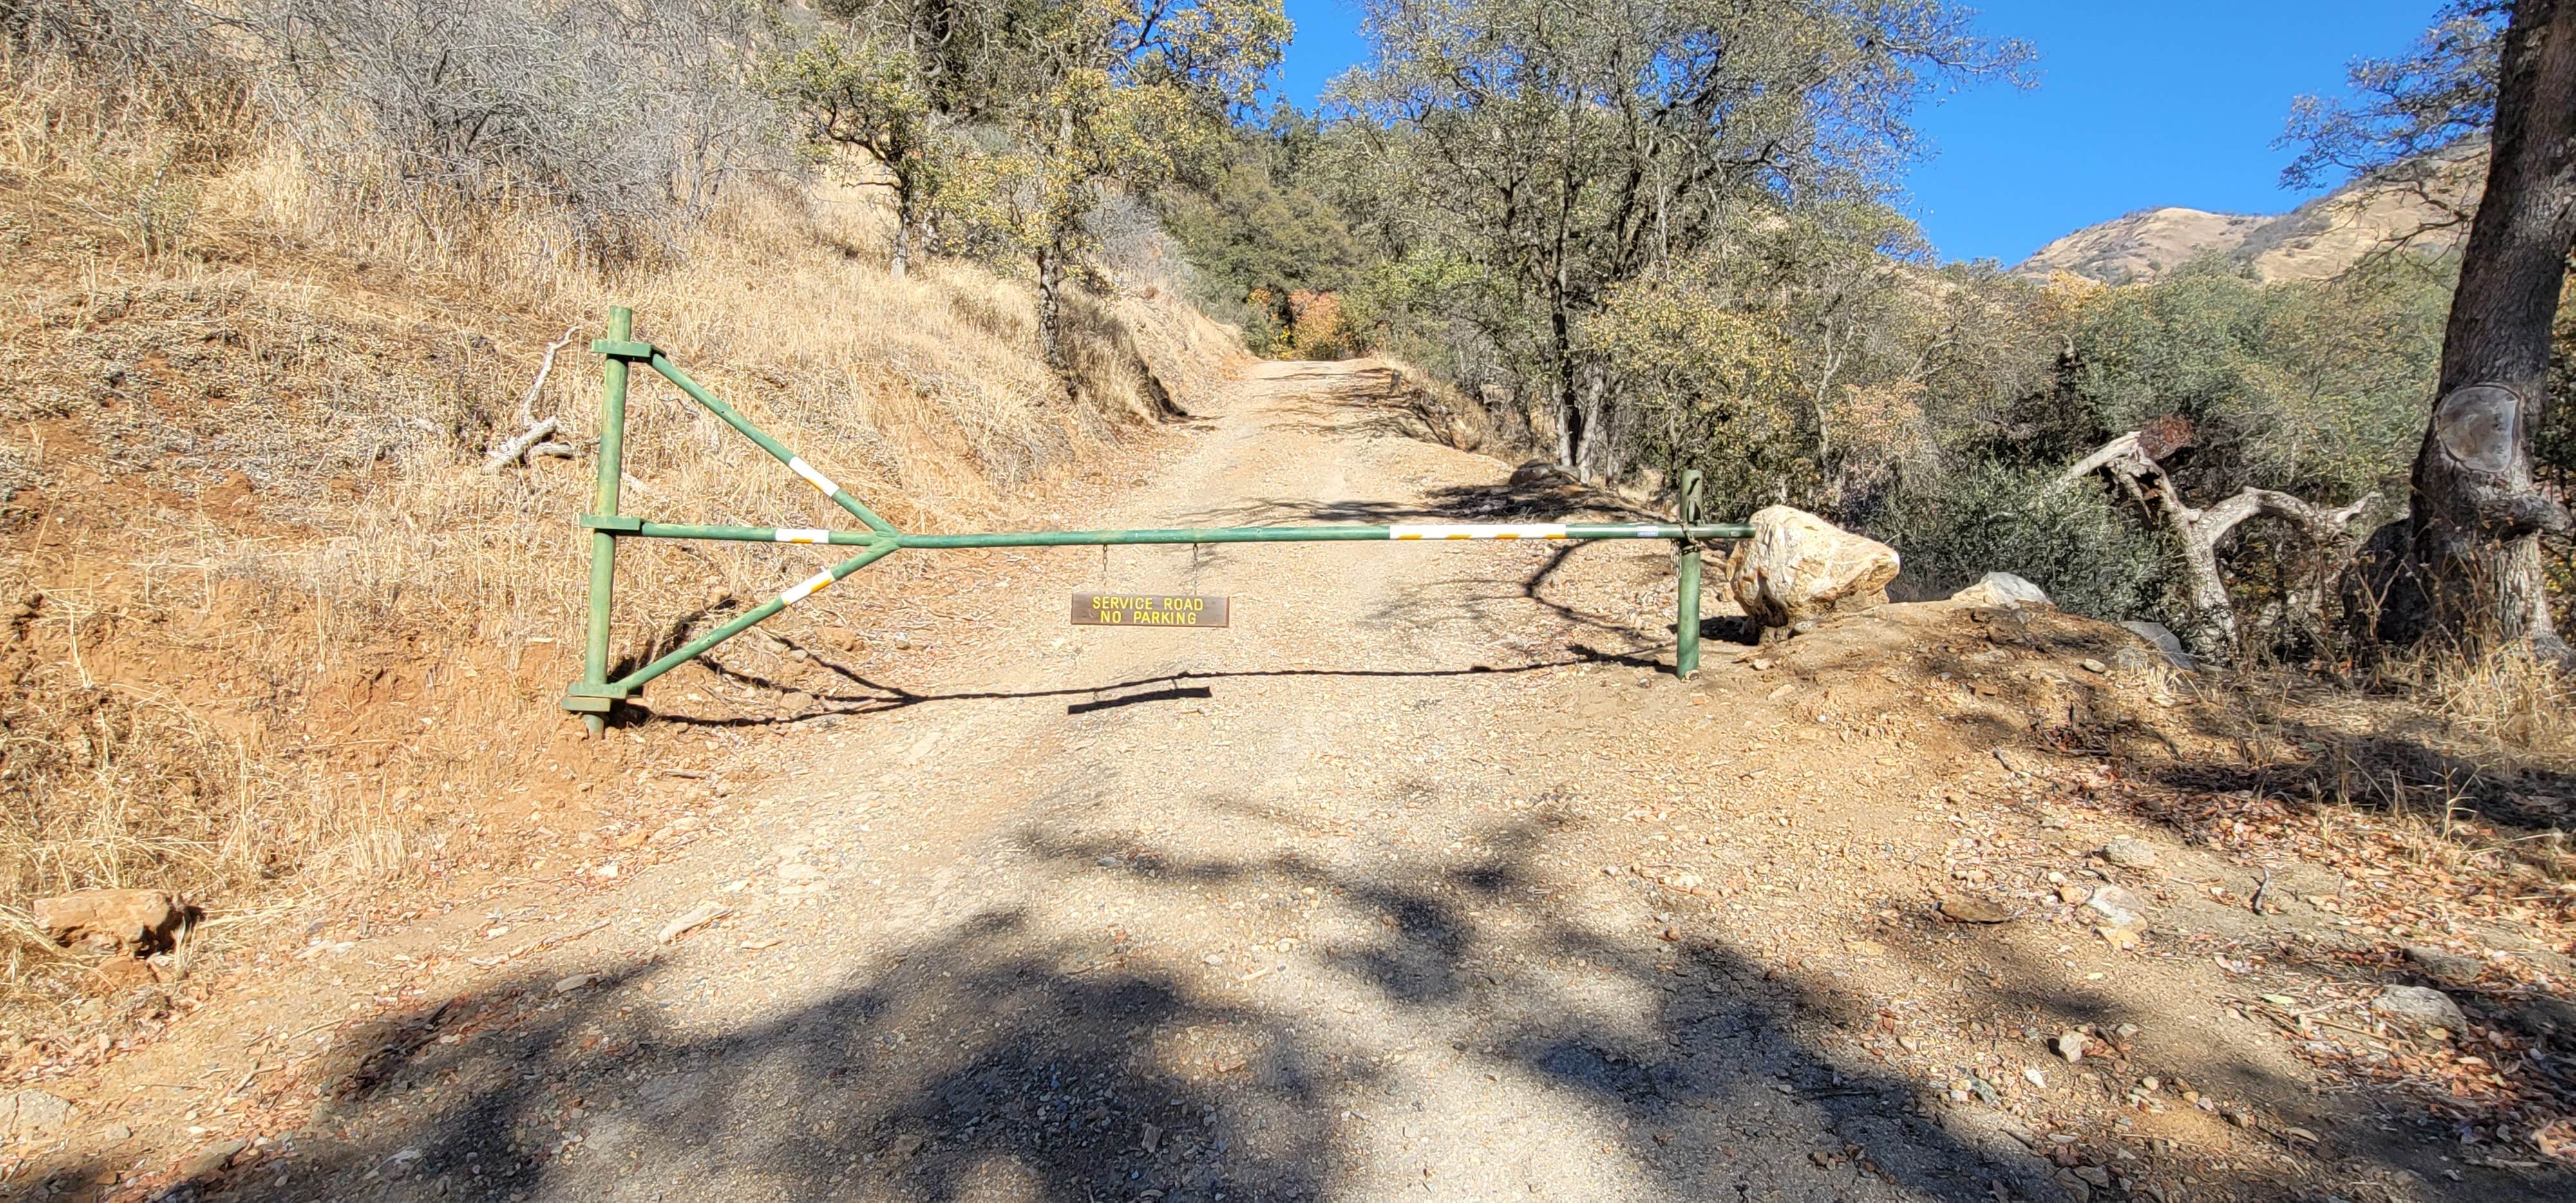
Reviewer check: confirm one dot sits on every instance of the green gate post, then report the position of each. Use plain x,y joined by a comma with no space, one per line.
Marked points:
592,697
1686,617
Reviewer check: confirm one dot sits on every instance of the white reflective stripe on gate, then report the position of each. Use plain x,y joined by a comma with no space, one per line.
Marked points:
805,589
798,466
790,534
1485,530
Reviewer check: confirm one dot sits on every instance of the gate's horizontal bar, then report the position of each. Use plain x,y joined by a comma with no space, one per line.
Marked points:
1214,534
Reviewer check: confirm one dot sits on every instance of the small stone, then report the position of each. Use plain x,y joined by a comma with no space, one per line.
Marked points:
2116,906
695,917
2130,854
1974,910
2420,1005
2442,965
2095,666
2119,938
2164,643
2071,1045
2001,589
141,921
2072,894
31,1113
575,982
2240,1117
212,1159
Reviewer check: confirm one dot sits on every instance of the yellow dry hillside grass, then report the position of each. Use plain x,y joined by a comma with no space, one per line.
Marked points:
243,432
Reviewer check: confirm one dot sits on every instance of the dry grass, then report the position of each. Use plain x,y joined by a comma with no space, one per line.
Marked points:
2470,761
281,639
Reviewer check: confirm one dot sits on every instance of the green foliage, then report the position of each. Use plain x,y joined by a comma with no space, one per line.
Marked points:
2311,388
1715,389
1570,150
866,90
1257,235
2075,541
1008,124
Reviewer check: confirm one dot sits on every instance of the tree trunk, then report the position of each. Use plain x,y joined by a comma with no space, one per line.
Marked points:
2464,565
910,169
1051,316
1573,430
903,220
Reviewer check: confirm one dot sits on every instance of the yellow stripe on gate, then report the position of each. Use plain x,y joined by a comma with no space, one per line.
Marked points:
1479,530
805,588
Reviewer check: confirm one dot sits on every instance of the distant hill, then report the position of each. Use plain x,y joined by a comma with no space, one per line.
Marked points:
2318,240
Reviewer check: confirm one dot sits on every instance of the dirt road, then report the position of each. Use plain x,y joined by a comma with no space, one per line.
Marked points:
1417,881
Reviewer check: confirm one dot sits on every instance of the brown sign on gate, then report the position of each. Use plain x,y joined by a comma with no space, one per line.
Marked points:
1148,610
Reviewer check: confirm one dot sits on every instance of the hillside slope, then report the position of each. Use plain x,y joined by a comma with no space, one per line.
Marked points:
278,642
2318,240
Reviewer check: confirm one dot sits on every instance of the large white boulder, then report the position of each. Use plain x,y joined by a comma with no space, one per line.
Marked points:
1798,566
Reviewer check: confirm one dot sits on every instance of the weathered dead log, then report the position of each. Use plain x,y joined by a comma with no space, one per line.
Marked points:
2199,532
532,439
511,451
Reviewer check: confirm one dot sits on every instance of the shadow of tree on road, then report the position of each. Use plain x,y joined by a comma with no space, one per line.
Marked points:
1024,1054
1011,1058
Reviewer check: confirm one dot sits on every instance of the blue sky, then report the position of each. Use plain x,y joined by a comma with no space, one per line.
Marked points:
2174,102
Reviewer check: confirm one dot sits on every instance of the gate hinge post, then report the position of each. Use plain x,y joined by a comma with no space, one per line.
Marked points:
593,697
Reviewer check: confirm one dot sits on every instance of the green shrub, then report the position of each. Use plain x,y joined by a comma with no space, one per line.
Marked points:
2073,541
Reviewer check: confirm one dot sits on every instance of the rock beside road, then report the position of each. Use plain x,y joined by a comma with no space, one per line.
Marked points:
2442,965
30,1113
1798,567
2117,907
2002,589
212,1159
2420,1005
2130,854
2167,645
136,921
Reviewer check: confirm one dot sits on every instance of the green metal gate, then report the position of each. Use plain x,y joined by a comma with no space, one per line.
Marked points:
595,695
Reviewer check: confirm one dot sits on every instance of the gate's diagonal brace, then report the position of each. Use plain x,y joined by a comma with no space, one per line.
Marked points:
595,695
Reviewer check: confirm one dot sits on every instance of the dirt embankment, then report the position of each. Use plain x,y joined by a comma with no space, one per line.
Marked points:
277,642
